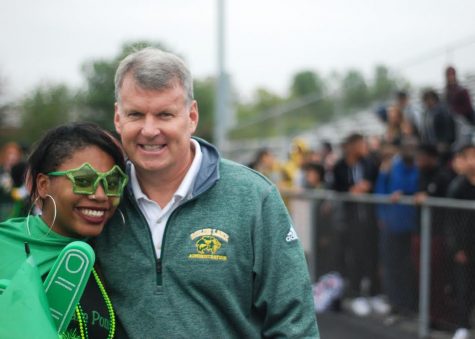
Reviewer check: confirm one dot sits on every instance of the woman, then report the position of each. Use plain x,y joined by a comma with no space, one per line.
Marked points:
76,176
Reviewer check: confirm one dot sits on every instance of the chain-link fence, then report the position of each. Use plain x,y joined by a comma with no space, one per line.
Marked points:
420,257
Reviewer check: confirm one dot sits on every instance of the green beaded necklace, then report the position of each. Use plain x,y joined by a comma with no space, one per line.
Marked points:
110,309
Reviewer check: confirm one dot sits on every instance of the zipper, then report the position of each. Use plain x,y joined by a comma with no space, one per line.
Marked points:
158,263
162,252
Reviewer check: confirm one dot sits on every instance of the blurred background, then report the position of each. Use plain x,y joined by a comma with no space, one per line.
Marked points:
331,100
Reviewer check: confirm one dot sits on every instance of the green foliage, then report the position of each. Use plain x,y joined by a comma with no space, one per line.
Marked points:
308,103
46,107
262,104
355,91
205,92
265,100
269,114
305,83
384,86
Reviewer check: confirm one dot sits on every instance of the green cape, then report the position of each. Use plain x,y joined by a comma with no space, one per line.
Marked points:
45,245
24,308
24,302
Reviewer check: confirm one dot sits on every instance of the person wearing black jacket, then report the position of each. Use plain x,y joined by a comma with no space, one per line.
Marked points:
356,174
438,126
462,240
433,182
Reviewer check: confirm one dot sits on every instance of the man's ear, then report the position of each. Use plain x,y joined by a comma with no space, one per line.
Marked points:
42,185
194,116
117,117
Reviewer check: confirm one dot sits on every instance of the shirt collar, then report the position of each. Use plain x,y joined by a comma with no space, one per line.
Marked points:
186,185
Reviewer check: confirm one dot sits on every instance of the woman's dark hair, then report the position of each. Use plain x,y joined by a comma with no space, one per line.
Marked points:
318,168
59,144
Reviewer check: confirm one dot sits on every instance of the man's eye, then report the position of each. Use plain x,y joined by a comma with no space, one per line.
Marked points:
165,115
134,114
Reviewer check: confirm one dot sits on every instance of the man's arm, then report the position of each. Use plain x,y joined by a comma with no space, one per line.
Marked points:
282,290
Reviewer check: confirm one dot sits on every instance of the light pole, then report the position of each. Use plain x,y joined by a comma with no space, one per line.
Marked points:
221,111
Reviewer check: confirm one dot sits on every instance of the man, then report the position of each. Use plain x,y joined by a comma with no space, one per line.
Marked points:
410,117
356,174
397,224
208,248
458,98
434,181
461,239
438,126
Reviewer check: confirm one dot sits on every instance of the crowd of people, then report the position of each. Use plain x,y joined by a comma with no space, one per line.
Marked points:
375,247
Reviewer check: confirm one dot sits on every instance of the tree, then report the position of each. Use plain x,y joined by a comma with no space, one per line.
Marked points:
384,85
308,85
305,83
355,92
47,106
249,115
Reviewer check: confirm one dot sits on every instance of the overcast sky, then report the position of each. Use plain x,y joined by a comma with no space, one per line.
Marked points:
267,40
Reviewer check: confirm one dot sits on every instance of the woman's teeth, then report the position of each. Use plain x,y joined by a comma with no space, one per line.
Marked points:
92,213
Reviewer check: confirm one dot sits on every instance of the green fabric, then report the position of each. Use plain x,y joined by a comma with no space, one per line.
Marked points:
45,244
23,306
253,284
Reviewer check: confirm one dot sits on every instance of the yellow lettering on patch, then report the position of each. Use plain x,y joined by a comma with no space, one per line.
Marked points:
208,256
210,231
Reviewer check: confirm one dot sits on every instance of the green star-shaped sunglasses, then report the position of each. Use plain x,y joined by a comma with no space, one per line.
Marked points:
86,178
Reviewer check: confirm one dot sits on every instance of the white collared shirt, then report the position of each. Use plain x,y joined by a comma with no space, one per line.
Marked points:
156,216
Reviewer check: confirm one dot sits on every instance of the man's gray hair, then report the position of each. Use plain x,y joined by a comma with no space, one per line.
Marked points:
154,69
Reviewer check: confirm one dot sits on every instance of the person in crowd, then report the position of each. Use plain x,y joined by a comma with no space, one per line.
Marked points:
374,149
209,249
457,168
394,123
397,177
462,241
410,116
76,177
434,180
457,97
328,161
19,191
354,173
314,175
397,125
292,169
10,154
266,164
438,126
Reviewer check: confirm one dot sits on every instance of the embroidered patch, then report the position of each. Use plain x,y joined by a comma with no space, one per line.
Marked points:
208,243
292,235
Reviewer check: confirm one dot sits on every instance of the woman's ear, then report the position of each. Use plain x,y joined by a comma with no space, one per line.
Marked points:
42,185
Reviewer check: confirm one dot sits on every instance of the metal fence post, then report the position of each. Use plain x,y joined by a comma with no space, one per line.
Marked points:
424,277
312,260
